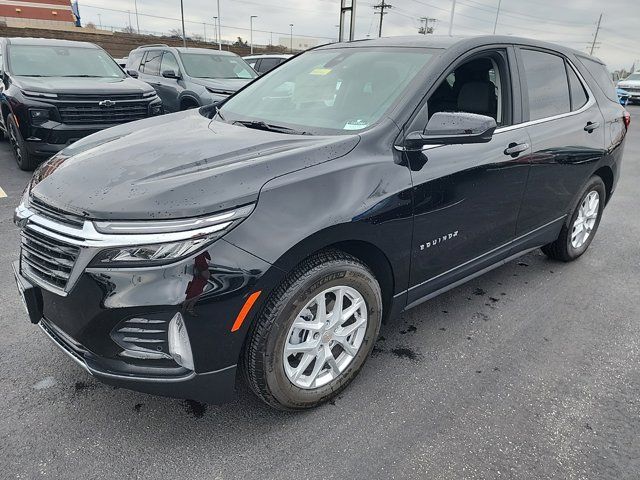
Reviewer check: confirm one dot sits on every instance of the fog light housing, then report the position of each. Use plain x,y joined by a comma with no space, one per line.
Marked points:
179,345
156,109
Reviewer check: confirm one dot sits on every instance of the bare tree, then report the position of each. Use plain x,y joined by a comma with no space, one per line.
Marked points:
174,32
197,37
90,26
128,29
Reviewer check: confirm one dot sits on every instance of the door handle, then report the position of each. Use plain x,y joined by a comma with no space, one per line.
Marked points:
591,126
515,149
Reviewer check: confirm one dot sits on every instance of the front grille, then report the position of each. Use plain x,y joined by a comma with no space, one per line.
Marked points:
96,97
55,214
47,259
632,89
91,113
143,338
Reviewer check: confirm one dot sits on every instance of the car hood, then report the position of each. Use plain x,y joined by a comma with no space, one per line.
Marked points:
228,84
75,85
175,166
628,83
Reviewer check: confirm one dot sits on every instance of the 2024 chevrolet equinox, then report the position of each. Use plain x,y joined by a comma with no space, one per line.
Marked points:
271,234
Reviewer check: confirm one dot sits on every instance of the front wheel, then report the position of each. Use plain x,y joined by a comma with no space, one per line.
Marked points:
23,158
314,333
576,235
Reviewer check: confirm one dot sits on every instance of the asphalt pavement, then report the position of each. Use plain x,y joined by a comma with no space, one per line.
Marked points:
531,371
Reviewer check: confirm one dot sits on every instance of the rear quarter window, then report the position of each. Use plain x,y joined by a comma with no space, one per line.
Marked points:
601,75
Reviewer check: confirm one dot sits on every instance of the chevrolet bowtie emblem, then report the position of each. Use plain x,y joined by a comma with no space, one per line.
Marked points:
106,103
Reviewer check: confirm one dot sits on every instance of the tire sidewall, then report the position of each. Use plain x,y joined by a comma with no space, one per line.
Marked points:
334,274
597,185
14,131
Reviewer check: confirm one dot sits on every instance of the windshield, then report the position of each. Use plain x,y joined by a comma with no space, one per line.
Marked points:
50,61
337,90
199,65
633,76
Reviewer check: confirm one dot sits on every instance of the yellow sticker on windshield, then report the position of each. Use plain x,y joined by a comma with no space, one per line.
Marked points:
320,71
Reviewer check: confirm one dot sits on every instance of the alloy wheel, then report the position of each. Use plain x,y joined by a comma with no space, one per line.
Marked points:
586,220
325,337
15,144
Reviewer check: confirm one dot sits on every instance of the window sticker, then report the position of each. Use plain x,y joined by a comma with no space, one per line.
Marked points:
320,71
358,124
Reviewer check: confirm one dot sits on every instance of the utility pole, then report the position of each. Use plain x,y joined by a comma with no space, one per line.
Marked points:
135,4
251,30
426,28
215,30
100,20
345,8
291,38
184,36
381,6
204,25
495,25
453,11
219,28
595,37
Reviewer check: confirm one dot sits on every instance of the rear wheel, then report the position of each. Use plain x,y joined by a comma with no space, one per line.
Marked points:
576,235
314,333
24,159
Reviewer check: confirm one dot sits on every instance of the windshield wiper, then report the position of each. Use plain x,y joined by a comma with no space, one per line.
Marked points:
83,76
260,125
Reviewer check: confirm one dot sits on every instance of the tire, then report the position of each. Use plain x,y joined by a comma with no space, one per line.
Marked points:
567,246
23,158
264,356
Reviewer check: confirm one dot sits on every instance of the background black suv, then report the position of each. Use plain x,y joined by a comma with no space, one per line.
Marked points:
55,92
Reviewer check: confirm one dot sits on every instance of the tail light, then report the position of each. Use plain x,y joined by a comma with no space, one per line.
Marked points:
626,119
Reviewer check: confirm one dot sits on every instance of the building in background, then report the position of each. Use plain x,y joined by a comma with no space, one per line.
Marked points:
53,14
298,43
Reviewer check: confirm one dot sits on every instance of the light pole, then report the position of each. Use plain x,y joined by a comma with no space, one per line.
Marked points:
291,38
453,12
184,36
215,29
219,28
135,4
251,31
495,25
100,20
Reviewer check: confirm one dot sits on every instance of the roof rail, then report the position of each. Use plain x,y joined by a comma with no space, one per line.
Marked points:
154,45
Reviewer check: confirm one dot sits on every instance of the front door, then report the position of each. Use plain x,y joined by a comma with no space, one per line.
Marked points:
467,197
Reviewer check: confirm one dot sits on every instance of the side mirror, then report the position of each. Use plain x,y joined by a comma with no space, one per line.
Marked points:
170,74
452,128
132,73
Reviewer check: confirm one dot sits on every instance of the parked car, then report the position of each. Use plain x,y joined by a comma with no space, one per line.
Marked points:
56,92
263,63
189,77
631,84
273,235
623,96
122,62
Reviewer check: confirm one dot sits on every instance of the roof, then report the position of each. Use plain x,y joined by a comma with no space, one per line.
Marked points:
446,42
190,49
49,42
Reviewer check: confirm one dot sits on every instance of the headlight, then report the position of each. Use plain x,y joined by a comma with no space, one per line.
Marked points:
219,91
147,255
150,243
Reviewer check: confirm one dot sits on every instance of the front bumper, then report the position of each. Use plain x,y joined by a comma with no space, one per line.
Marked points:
82,322
209,387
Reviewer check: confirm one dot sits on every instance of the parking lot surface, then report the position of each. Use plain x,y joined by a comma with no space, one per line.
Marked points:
531,372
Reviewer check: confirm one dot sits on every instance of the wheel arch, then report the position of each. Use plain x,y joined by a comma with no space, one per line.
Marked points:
363,249
187,99
606,174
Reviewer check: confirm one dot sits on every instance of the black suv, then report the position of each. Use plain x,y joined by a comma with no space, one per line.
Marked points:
55,92
271,235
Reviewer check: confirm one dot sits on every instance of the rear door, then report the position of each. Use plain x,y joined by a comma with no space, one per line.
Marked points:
567,136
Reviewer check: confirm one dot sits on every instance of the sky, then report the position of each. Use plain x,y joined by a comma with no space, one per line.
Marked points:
569,22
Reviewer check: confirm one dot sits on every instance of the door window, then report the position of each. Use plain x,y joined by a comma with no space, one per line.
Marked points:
151,63
547,84
169,62
578,94
268,64
475,86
